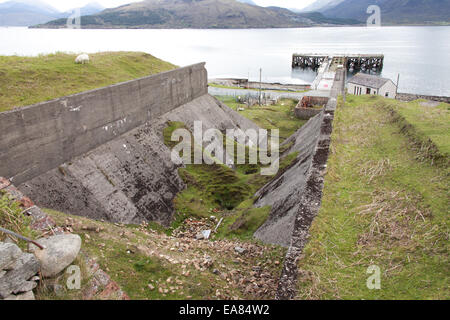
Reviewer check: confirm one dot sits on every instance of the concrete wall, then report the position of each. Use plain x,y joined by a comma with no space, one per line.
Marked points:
131,178
38,138
306,113
303,200
304,109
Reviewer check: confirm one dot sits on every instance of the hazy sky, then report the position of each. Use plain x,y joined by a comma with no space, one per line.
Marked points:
70,4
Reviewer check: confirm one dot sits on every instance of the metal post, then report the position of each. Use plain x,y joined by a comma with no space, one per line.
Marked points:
260,85
398,82
344,93
21,237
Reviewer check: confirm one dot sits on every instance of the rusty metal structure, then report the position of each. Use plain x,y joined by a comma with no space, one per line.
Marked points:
354,62
312,61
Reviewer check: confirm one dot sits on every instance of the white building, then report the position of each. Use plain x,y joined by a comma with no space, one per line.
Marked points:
369,84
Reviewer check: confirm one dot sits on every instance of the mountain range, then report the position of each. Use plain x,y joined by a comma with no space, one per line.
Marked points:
198,14
32,12
226,14
395,12
321,5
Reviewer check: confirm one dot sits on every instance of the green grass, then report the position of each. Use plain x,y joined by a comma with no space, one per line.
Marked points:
142,262
221,191
29,80
12,218
243,222
432,122
122,258
381,206
280,116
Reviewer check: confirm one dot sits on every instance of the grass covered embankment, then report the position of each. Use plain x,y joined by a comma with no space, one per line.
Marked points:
226,193
385,203
29,80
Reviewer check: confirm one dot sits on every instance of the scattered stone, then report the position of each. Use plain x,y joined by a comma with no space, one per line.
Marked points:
60,251
25,268
9,253
206,234
4,183
25,287
151,287
239,250
199,236
24,296
35,278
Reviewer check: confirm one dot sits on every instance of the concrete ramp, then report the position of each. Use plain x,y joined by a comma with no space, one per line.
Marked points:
295,194
283,193
131,178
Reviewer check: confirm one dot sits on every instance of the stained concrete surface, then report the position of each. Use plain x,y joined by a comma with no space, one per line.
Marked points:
131,178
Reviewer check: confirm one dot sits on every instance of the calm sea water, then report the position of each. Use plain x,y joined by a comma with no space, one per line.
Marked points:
420,55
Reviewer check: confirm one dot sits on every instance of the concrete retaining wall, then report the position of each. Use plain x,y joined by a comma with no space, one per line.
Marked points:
38,138
304,109
131,178
303,200
306,113
411,97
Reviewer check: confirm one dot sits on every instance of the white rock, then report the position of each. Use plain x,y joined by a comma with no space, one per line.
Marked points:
239,250
60,251
206,234
25,287
24,296
9,253
199,236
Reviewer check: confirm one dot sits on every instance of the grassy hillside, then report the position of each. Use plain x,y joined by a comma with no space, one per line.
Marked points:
430,120
385,203
29,80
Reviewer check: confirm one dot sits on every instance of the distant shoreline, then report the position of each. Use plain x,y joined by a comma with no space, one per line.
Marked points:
232,28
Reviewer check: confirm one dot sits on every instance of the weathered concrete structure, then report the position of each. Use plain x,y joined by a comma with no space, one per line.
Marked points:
101,154
296,194
38,138
309,107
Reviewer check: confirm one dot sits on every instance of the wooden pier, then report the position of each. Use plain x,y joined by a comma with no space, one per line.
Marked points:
312,61
353,62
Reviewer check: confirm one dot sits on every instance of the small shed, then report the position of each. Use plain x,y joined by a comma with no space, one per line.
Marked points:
370,84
